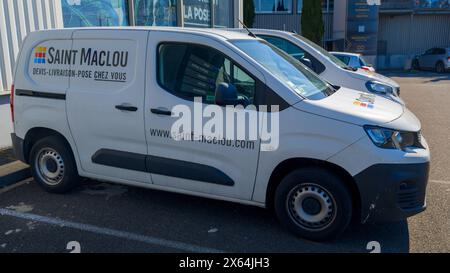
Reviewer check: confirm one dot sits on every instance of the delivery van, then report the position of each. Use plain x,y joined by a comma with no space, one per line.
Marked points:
328,66
102,103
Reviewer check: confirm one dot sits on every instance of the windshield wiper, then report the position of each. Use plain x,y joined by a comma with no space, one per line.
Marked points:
350,68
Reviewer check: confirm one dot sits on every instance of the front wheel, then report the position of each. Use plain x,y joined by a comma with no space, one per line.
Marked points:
415,65
53,165
314,203
440,68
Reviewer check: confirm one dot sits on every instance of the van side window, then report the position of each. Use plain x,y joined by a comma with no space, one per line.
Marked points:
295,51
188,71
440,51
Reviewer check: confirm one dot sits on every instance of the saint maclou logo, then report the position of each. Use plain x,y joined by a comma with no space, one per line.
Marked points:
39,55
84,56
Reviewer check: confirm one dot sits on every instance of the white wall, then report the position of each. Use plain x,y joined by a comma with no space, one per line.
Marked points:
5,122
17,19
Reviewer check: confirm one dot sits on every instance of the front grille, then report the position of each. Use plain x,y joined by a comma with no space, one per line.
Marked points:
398,91
409,196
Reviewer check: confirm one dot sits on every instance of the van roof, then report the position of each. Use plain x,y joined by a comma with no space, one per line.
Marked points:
218,33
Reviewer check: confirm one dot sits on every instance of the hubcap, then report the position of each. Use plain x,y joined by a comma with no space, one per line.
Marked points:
50,166
311,206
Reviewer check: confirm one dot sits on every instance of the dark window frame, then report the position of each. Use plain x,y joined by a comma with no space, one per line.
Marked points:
264,95
259,85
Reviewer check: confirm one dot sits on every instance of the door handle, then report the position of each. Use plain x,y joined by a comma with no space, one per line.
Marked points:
162,112
128,108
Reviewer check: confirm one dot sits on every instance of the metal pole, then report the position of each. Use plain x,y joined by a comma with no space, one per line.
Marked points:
238,13
212,13
180,13
411,23
131,15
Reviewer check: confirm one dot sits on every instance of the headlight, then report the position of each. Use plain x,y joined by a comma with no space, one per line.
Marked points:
378,87
392,139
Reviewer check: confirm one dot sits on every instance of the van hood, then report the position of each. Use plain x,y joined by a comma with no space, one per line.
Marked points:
368,76
355,107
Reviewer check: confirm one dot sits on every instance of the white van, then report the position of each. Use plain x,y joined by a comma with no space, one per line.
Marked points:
329,67
101,102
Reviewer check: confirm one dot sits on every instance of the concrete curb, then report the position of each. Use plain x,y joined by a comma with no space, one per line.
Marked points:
13,172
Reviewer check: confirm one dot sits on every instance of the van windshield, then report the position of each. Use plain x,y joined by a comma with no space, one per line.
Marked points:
325,53
286,68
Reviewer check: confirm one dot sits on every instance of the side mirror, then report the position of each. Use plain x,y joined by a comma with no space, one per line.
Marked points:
226,94
306,62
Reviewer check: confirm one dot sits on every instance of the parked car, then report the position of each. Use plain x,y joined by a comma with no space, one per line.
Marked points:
437,59
354,60
328,66
100,103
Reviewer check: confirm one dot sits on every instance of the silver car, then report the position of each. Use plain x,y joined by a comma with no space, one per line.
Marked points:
434,58
354,60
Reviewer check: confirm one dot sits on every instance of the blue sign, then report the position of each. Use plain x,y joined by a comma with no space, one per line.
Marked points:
362,26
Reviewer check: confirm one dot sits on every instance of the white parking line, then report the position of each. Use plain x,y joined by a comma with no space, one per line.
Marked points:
109,232
440,182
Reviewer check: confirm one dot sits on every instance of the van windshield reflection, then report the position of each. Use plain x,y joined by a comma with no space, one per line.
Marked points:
285,68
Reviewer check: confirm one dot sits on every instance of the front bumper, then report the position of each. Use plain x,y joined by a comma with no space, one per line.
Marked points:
392,192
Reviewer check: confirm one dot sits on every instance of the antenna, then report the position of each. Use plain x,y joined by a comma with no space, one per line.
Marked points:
294,31
248,30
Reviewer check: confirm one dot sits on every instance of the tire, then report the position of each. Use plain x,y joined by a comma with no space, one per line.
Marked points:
314,204
440,68
415,65
53,165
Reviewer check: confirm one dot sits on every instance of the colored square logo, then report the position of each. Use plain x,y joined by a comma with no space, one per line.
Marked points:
39,55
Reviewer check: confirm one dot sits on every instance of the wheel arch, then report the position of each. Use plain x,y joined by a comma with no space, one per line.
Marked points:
289,165
440,62
37,133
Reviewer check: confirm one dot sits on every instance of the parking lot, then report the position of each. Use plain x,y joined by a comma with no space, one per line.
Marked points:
103,217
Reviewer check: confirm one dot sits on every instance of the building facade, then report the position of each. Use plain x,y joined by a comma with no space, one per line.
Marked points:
19,17
388,32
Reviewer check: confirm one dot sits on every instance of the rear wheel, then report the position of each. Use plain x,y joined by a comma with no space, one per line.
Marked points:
415,65
440,68
53,165
314,204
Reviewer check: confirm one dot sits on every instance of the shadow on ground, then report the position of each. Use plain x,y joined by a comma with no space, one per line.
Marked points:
428,75
7,156
221,225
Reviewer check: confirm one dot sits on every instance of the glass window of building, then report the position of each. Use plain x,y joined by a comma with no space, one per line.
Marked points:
86,13
432,4
155,12
223,13
197,13
327,5
273,6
